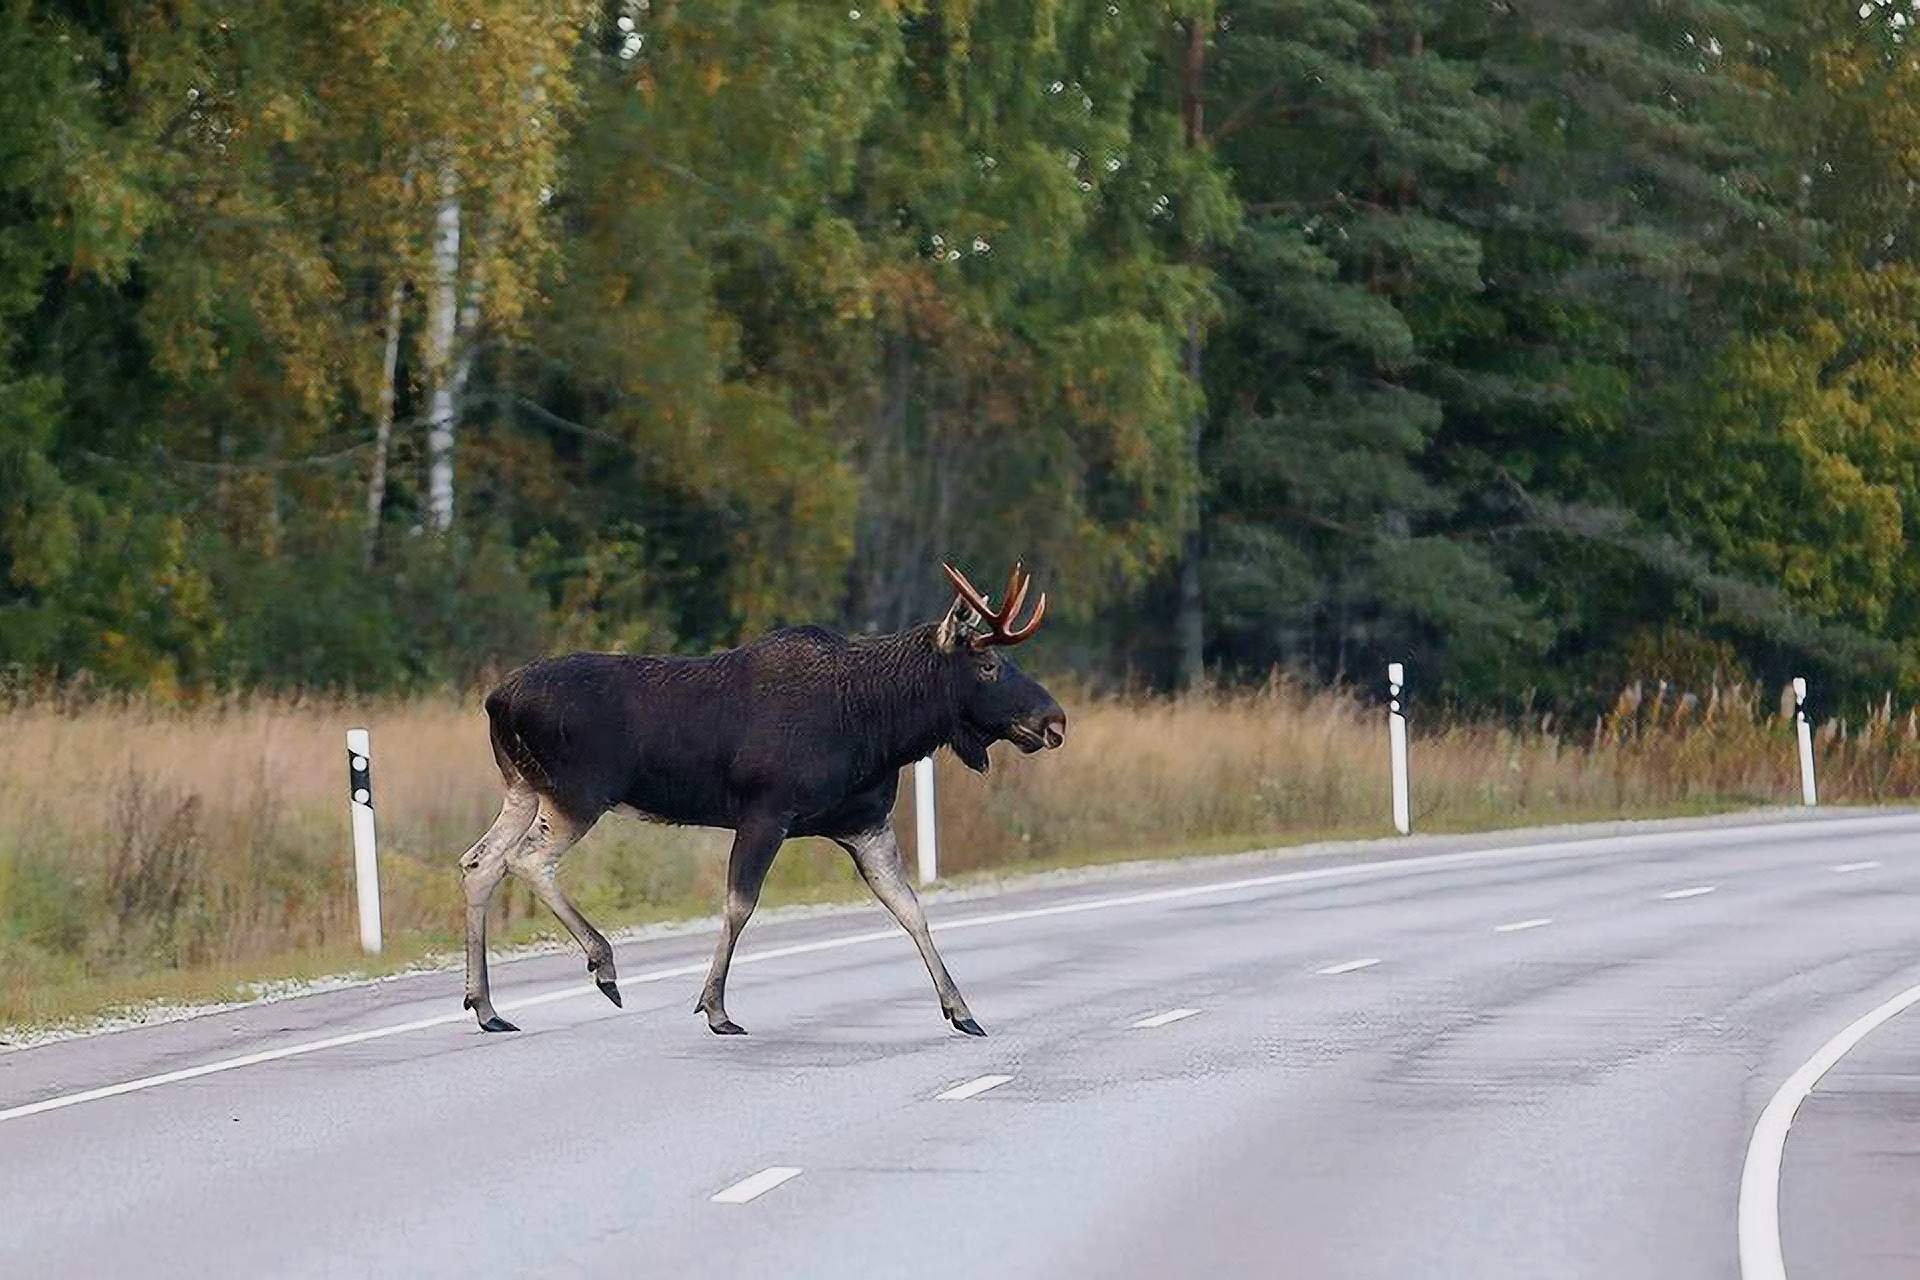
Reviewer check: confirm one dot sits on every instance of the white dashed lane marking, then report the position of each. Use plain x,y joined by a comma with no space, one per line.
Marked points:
1162,1019
971,1089
1349,967
1869,865
758,1185
1520,926
1673,895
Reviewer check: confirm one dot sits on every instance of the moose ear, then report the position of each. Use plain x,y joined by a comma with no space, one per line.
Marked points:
952,629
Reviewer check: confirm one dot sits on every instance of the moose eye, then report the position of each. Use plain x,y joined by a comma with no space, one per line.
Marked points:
987,666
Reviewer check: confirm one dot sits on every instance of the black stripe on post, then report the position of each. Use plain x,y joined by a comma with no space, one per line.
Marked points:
359,779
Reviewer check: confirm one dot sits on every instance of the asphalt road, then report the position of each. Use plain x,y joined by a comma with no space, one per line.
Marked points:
1569,1098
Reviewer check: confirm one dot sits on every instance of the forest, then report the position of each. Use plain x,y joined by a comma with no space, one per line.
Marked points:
1546,346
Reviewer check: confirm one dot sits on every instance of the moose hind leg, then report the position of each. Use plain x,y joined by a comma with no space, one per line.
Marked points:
481,869
877,855
754,844
537,861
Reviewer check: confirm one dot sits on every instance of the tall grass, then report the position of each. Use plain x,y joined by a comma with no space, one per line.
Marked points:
149,850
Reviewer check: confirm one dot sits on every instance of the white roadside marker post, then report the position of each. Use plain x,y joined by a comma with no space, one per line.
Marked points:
1809,793
1397,745
925,851
366,858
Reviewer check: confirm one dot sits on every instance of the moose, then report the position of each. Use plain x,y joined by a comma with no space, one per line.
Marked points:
801,733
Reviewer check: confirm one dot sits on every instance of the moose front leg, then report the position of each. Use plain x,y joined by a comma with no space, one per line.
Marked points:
755,842
877,855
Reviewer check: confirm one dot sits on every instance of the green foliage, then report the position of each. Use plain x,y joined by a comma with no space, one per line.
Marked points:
1520,340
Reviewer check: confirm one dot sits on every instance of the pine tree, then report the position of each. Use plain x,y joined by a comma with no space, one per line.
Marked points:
1358,141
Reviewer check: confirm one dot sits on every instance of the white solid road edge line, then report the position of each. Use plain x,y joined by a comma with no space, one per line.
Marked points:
1868,865
971,1089
1760,1253
1350,966
1161,1019
758,1185
1711,837
1674,895
1517,926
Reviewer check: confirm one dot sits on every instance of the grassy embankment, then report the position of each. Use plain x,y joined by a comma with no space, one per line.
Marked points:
163,853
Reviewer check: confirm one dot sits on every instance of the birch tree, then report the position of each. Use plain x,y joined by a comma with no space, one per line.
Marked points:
501,88
443,332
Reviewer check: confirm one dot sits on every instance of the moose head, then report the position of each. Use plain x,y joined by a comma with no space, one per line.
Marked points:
993,699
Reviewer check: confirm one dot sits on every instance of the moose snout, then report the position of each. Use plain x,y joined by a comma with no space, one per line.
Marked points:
1053,728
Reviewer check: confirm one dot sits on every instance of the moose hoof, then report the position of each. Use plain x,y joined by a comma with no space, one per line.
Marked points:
969,1026
497,1023
726,1027
609,990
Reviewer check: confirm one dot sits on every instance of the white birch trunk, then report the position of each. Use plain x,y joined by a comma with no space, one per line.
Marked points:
464,332
383,419
442,327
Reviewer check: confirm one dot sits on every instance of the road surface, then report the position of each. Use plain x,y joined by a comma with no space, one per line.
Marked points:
1491,1056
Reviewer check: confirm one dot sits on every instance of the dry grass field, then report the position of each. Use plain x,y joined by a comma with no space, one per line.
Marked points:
156,852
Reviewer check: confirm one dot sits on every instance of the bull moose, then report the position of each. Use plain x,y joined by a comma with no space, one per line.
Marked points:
801,733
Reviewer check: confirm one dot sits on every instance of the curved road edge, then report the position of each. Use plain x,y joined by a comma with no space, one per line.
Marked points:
1761,1256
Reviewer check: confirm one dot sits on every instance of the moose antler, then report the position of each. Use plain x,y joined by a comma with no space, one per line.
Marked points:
999,622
